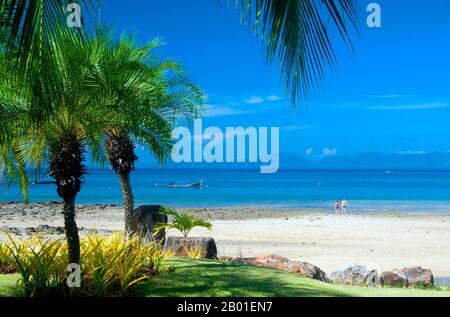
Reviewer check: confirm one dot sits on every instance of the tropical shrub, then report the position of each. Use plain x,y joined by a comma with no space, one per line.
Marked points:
114,264
41,264
111,265
182,221
192,251
6,260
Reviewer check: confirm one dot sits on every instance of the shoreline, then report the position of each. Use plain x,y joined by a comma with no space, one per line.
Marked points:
238,212
383,240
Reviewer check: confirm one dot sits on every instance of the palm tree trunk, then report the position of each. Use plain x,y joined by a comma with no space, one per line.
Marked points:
128,201
24,182
66,167
70,226
120,153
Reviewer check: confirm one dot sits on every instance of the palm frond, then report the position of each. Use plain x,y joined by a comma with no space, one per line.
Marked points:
26,25
146,95
296,37
182,221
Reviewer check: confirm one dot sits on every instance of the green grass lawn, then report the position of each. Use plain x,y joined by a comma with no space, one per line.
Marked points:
213,278
8,284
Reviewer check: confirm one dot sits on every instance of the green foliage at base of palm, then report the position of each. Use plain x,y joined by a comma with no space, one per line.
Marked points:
182,221
110,266
6,260
192,251
41,264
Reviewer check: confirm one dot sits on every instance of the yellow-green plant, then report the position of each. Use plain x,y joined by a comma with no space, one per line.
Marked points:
159,256
97,259
113,264
182,221
192,251
110,265
41,263
6,260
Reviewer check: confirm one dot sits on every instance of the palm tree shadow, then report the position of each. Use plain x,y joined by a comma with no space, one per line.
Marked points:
203,278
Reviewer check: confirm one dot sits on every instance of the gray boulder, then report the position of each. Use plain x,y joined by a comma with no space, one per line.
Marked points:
312,271
393,280
356,275
147,218
284,264
181,246
416,276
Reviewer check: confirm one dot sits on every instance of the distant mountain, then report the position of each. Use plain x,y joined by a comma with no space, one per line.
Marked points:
294,161
360,161
377,161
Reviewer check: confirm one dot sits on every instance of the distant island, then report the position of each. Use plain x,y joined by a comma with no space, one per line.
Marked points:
362,161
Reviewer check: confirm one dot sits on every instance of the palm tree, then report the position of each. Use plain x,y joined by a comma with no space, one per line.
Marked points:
149,95
295,34
72,125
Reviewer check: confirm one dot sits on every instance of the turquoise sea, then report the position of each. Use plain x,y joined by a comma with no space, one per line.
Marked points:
365,190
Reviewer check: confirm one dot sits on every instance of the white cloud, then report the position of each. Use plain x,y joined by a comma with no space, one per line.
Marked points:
273,98
388,96
258,99
229,108
226,110
254,100
420,106
217,111
327,152
296,127
309,151
410,152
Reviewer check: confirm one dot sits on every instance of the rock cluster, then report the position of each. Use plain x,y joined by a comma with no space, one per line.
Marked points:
204,248
353,275
356,275
148,218
284,264
408,277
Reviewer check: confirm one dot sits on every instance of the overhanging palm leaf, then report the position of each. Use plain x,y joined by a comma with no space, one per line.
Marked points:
295,33
31,29
11,126
296,37
27,25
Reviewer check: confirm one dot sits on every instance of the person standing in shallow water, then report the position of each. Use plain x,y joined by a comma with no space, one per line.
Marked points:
336,207
344,206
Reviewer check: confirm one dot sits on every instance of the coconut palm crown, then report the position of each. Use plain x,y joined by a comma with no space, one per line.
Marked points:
149,95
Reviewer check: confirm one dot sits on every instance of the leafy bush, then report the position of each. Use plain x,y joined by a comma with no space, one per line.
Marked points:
182,221
114,264
110,265
41,263
192,251
6,259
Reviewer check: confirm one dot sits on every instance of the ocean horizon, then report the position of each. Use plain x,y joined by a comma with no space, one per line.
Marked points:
366,191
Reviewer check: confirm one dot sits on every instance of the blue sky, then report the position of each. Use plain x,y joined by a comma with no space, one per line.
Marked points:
392,95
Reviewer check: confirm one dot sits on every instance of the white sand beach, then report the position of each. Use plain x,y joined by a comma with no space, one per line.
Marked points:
380,240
